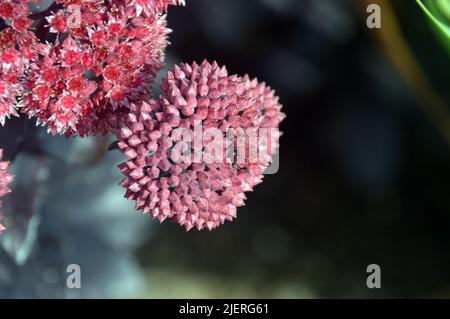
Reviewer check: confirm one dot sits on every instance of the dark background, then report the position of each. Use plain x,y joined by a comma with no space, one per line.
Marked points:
364,174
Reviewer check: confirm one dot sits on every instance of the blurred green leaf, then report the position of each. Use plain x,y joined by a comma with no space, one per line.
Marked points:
439,13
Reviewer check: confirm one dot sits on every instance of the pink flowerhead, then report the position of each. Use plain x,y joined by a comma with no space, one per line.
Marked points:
102,60
5,179
103,57
204,188
151,6
18,48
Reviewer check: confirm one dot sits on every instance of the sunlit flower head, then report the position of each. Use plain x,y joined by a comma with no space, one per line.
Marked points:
204,188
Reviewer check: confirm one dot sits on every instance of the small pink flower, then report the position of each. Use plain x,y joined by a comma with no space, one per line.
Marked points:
6,10
5,179
21,24
198,194
10,56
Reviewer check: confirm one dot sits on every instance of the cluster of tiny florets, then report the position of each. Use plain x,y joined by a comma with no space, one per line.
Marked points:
5,179
201,195
77,65
18,49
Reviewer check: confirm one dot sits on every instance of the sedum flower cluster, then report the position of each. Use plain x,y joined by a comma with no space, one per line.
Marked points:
87,67
78,64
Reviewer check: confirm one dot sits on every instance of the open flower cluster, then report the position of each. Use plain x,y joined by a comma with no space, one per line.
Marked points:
79,63
200,194
151,6
5,179
18,49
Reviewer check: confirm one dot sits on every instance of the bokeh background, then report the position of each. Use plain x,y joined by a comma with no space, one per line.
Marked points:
364,170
